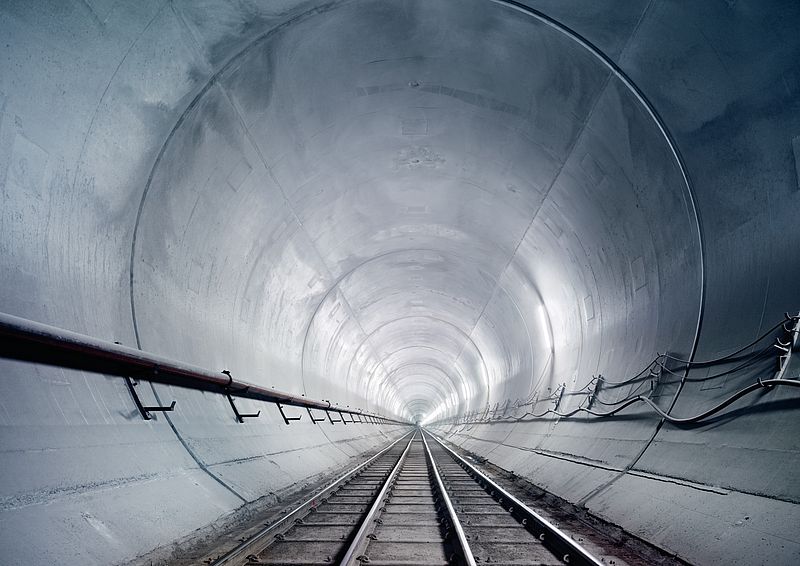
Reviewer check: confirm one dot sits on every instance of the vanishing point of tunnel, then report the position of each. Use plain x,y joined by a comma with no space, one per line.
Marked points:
247,246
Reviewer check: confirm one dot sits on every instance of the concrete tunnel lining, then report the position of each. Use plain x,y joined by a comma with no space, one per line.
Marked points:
237,113
313,191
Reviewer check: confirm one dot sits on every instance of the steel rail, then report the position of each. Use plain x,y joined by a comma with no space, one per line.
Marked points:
359,542
249,546
469,559
27,340
551,536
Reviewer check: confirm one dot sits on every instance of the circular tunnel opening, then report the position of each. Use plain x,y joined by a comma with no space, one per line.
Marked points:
423,208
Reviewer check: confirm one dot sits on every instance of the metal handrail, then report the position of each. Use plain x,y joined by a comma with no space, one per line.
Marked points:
27,340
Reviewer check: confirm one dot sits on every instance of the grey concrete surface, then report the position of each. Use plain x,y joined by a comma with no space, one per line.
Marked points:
418,207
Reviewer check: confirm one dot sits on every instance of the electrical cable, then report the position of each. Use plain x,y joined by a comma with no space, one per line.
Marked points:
760,384
748,362
750,359
631,395
631,400
626,381
740,350
655,361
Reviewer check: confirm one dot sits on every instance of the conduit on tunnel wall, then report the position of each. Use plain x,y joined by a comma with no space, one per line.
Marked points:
376,203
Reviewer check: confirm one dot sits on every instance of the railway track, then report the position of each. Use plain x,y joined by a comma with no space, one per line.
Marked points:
415,503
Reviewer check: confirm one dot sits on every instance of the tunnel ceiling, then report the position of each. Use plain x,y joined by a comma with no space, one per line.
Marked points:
419,207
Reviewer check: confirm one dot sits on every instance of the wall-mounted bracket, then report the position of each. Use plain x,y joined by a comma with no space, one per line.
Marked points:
592,395
505,408
30,341
240,417
330,418
313,419
286,419
655,381
795,329
559,396
145,411
787,346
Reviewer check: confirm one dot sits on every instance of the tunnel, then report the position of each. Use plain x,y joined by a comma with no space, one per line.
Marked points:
549,233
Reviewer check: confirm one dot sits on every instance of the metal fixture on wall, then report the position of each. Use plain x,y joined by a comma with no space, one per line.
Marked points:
146,410
652,374
31,341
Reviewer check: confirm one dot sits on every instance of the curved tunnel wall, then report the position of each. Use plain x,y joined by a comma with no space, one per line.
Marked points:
418,208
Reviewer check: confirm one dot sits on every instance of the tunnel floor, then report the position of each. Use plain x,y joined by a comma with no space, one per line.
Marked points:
415,501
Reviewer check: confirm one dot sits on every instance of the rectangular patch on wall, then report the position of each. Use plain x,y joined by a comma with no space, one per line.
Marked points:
415,127
2,109
637,273
196,268
414,209
592,169
796,151
554,228
239,174
244,309
26,168
588,305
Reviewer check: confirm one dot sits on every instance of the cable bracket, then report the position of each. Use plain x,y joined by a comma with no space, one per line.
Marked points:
288,420
313,419
240,417
146,410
